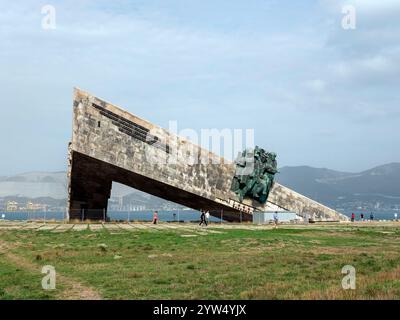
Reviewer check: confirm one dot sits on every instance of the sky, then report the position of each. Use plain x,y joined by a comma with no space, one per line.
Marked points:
314,92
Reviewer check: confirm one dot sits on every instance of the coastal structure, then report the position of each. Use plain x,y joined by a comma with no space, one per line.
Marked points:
110,144
12,206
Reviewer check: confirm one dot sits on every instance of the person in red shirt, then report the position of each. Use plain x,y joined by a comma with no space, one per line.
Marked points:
353,216
155,217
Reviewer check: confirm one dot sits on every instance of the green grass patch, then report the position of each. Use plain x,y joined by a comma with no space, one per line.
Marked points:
236,264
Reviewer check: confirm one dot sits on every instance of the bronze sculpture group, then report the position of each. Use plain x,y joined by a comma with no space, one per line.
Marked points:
255,171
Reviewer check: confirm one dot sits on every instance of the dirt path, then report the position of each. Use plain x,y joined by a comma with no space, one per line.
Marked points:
74,289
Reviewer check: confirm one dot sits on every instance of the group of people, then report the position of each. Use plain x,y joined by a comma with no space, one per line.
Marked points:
371,217
362,218
204,217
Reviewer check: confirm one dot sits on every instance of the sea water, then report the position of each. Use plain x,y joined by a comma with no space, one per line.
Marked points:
147,215
181,215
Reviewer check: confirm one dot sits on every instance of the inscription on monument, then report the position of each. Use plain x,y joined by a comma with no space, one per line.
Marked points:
132,129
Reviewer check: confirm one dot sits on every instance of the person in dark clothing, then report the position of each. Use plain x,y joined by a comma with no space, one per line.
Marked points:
353,216
371,217
203,218
362,216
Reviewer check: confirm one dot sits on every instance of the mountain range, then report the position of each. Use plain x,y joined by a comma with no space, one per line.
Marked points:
377,186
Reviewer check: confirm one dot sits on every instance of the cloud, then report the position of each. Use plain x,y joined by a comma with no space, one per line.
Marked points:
379,70
373,8
316,85
370,7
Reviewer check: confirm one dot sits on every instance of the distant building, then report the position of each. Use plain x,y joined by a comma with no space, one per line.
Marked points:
12,206
30,206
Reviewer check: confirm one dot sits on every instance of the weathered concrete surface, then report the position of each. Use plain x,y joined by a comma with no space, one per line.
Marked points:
110,144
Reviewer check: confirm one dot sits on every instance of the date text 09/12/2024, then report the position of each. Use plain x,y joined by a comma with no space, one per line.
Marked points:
233,310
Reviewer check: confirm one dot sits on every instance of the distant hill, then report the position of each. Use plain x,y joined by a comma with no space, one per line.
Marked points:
35,185
44,184
380,184
35,177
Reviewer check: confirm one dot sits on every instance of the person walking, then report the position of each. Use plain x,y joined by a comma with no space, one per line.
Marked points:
202,218
276,220
362,216
353,216
155,217
207,218
371,217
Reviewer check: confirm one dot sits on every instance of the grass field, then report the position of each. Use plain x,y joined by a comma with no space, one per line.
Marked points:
188,262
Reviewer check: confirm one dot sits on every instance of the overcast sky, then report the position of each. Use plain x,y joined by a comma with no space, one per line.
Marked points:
314,93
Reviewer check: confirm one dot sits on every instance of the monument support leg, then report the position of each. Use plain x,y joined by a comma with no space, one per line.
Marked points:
89,194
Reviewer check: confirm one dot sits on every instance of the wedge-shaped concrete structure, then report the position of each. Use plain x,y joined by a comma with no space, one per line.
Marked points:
110,144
